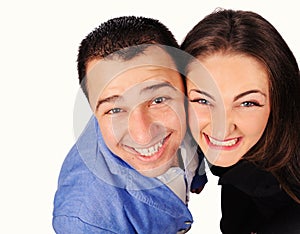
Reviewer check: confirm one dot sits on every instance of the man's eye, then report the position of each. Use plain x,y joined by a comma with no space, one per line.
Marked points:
159,100
114,111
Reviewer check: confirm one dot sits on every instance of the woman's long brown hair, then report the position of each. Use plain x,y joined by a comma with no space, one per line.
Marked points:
247,33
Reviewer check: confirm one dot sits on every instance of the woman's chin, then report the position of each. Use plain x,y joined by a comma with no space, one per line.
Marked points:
221,161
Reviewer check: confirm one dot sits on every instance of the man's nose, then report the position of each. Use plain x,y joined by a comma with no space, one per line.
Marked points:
141,126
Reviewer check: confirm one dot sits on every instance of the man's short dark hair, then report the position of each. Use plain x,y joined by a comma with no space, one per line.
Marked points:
128,35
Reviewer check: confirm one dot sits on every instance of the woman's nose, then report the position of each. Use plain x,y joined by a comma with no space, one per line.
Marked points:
223,123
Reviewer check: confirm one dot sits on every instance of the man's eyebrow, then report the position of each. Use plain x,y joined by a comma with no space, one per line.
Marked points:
112,98
203,92
157,86
248,92
150,88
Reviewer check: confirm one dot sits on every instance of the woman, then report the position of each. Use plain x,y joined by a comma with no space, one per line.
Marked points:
243,90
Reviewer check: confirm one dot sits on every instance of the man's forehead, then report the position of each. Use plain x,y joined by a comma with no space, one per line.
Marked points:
110,68
101,72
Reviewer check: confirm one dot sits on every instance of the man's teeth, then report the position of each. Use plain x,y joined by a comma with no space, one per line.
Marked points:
151,150
223,143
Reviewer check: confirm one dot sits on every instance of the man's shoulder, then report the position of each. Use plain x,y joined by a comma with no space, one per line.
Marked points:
81,193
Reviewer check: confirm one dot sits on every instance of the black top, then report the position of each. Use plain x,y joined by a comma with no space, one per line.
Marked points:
253,201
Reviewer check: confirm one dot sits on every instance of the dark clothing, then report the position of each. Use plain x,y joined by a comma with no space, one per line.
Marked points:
253,201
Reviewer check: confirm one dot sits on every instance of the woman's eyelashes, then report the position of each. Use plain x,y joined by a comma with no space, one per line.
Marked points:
209,100
251,104
202,101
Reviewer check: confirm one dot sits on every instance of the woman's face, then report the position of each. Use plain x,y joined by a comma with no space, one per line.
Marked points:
228,105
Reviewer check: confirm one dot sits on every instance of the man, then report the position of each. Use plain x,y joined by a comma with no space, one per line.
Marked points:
125,172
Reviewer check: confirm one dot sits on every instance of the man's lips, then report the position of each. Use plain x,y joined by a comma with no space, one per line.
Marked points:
149,150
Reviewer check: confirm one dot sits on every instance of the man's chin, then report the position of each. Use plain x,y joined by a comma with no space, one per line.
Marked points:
160,170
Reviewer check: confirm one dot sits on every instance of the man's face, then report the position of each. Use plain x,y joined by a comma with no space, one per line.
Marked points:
140,109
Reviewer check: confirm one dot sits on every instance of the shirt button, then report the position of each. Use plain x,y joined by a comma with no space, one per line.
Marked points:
182,231
185,230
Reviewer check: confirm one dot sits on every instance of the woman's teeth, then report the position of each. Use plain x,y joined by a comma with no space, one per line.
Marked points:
151,150
223,143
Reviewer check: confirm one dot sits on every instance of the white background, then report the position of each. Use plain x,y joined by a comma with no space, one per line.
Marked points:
38,48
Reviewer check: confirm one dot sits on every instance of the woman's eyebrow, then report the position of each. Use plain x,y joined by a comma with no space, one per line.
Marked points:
202,92
247,93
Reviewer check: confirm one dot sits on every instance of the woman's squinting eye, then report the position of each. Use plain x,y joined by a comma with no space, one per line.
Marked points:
201,101
114,111
250,104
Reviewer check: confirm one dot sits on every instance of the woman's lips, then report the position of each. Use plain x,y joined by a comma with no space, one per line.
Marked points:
227,144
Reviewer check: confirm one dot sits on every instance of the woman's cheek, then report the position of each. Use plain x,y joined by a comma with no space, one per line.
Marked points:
194,122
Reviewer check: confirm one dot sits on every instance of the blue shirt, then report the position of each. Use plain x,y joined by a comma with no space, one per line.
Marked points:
100,193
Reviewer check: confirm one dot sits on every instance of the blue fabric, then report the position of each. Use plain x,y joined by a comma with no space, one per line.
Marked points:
199,181
99,193
200,178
